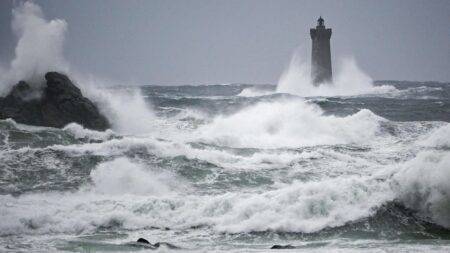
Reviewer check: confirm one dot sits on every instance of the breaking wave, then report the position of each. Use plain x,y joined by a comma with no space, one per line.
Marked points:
122,176
127,194
288,123
422,185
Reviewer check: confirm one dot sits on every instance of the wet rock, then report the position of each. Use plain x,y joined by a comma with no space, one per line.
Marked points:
142,240
58,103
157,245
282,247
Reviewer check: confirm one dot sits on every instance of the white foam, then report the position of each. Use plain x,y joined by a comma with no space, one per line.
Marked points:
80,132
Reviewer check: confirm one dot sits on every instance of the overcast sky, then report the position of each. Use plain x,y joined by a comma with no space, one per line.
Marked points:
243,41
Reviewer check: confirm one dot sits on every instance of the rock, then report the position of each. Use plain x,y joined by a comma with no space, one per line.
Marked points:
142,240
57,104
283,247
158,244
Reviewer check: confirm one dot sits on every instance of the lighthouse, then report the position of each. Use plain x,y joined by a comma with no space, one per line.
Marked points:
321,54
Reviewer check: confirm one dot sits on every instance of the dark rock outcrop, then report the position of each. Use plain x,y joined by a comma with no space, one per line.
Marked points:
58,103
156,245
142,240
282,246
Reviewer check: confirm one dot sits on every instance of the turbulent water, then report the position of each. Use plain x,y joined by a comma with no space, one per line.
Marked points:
235,167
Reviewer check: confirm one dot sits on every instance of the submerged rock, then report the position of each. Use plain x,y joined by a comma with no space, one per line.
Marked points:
156,245
282,247
142,240
56,104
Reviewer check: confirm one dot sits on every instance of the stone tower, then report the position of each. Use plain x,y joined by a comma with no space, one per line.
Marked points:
321,54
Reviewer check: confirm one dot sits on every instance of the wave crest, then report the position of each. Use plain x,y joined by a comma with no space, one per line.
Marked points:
423,185
288,123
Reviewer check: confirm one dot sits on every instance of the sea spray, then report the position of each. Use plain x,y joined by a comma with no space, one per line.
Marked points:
127,110
39,47
349,80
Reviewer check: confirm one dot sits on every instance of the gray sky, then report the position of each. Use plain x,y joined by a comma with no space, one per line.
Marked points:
243,41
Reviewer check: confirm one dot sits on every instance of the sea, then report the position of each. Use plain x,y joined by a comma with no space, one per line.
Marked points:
235,168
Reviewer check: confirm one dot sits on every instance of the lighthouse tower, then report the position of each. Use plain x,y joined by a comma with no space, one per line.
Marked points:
321,53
